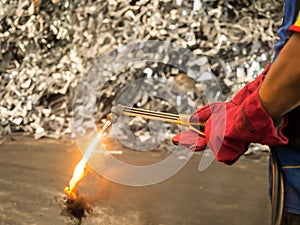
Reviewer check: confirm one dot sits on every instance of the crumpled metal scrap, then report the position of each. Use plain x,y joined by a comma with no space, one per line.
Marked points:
46,47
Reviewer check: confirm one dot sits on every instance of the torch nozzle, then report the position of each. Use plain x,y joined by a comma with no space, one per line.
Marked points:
107,124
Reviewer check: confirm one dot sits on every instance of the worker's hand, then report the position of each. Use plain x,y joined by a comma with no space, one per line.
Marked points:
231,126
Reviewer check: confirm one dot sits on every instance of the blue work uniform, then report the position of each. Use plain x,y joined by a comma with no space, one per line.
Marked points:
289,156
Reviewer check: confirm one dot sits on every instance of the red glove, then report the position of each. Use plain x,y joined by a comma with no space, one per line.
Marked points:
190,139
231,126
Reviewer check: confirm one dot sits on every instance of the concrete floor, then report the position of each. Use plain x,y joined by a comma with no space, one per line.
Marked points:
33,173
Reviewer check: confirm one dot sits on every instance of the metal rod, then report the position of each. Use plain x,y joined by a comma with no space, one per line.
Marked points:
153,117
277,190
161,116
150,111
176,117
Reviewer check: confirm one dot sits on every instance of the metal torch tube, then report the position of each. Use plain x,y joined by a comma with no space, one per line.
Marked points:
182,120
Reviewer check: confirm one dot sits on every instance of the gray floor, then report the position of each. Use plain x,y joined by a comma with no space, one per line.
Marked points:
33,174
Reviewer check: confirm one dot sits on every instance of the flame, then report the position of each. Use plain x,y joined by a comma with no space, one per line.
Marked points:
79,171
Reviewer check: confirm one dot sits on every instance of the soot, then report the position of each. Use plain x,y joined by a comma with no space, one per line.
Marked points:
76,208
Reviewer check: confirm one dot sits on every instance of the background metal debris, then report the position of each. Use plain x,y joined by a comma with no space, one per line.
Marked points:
46,47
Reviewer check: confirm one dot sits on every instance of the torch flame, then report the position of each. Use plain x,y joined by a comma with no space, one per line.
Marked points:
79,171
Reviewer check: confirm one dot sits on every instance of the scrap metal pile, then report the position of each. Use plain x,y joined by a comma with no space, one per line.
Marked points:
46,47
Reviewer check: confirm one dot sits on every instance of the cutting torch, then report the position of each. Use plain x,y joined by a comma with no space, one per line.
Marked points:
181,119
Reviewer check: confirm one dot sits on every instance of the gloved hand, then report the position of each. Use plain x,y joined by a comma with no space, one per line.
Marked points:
190,139
231,126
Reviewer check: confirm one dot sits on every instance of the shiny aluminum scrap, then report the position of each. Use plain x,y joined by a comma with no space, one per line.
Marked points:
41,61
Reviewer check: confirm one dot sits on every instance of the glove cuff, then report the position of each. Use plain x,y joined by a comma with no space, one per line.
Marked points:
259,123
245,124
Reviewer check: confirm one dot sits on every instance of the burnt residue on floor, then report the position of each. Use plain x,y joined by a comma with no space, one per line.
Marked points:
76,208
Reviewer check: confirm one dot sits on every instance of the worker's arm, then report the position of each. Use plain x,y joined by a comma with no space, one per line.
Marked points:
231,126
280,91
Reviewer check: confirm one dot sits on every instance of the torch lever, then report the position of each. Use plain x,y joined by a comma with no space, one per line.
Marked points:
181,119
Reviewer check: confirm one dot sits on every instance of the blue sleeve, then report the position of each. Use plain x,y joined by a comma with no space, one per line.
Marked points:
290,24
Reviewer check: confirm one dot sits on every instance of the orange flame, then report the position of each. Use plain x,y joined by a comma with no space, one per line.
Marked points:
79,171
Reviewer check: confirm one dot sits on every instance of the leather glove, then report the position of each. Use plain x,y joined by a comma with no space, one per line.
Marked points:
232,126
190,139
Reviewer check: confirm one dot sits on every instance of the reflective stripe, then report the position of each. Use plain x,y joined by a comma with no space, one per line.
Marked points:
290,167
297,24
